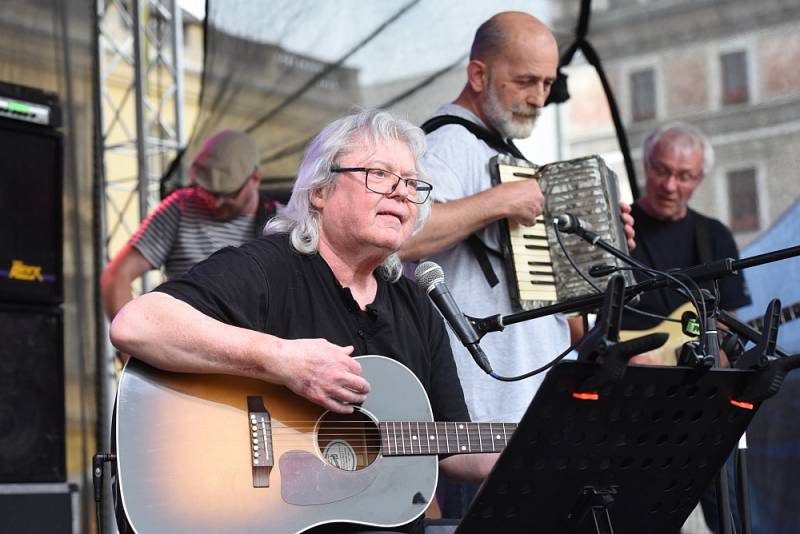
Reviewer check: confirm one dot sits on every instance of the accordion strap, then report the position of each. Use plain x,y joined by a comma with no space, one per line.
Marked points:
480,251
493,139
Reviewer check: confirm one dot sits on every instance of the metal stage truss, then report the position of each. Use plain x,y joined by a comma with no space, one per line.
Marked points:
139,130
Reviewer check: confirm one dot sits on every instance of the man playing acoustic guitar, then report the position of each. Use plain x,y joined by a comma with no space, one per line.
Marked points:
294,306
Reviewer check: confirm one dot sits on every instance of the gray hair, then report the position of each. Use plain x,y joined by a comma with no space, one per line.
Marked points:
301,219
684,135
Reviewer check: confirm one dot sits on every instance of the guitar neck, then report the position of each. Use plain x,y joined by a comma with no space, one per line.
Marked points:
402,438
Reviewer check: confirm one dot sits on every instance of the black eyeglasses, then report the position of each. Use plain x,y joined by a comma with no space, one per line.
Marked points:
385,182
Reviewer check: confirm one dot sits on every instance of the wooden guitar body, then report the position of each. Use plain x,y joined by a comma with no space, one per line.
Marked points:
186,456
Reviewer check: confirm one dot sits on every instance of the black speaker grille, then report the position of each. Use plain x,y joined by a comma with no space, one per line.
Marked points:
31,395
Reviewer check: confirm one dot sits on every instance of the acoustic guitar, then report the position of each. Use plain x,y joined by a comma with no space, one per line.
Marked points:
211,453
668,353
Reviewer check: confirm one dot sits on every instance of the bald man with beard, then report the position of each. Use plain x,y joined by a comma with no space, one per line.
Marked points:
513,65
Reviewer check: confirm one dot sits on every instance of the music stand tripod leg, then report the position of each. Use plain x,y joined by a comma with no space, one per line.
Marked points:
594,500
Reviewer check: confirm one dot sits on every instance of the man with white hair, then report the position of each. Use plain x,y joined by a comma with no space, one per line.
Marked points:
324,284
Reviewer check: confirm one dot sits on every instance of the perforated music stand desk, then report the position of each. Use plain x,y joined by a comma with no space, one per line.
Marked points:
653,442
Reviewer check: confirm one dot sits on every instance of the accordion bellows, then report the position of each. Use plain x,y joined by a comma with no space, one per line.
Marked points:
538,269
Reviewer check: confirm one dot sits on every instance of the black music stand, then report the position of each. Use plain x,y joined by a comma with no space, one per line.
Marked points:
638,457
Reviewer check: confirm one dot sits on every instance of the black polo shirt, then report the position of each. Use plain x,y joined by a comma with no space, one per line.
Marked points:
265,285
673,244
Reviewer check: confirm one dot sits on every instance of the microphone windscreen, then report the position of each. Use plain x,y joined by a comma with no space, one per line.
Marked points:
427,273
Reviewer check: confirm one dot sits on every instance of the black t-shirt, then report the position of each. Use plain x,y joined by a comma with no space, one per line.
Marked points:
265,285
673,244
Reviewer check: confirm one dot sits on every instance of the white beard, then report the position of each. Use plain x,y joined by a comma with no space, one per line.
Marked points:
516,122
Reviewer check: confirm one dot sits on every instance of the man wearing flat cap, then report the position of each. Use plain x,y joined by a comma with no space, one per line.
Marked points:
222,207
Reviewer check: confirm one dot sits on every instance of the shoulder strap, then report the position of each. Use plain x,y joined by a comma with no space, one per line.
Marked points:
702,243
702,237
491,138
476,246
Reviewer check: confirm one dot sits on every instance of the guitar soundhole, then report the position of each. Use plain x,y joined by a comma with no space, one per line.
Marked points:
348,441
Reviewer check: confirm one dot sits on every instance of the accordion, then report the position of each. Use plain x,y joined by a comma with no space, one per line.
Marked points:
539,271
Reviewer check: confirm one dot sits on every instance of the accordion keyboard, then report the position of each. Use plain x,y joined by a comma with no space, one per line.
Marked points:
532,261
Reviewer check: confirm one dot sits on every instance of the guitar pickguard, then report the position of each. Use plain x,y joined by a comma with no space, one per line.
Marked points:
306,480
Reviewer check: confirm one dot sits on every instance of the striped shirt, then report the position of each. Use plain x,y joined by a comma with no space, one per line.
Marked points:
182,232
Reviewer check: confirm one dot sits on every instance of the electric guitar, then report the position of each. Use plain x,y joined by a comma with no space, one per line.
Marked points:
211,453
667,354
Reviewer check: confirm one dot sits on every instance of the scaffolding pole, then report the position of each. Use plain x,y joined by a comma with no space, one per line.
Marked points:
139,129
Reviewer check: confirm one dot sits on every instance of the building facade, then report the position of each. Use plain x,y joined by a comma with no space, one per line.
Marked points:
726,66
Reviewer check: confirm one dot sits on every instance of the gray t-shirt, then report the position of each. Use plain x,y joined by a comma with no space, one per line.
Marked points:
182,232
457,164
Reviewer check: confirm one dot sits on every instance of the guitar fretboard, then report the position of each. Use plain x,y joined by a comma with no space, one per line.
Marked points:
403,438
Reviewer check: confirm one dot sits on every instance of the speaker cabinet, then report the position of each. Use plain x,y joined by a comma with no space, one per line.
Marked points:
32,447
39,508
31,173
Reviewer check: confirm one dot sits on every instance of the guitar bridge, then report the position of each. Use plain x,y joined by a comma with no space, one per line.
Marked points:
260,432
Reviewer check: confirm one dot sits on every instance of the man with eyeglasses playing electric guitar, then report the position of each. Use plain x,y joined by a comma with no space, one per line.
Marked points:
669,234
285,315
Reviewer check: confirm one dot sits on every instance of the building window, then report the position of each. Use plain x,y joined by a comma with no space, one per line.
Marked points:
743,200
643,95
734,78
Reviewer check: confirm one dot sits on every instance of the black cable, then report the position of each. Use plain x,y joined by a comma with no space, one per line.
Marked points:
570,260
628,307
652,272
541,369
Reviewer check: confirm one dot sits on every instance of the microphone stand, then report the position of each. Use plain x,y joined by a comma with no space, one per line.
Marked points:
699,273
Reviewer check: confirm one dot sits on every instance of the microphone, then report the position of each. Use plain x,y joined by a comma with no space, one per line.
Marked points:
570,224
430,278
